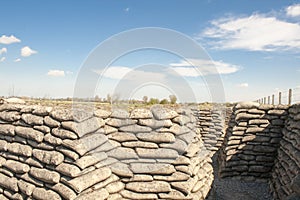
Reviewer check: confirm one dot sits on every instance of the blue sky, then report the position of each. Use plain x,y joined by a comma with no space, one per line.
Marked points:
255,45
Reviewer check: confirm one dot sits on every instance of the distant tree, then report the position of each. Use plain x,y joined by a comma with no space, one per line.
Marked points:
153,101
173,99
108,98
97,98
134,101
115,98
145,99
164,101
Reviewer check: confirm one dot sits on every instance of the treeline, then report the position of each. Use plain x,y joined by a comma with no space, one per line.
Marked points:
146,100
112,100
172,100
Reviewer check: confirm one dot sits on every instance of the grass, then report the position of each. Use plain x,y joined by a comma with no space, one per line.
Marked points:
68,103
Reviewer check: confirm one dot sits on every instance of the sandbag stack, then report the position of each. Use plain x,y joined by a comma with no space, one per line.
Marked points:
251,142
285,180
56,153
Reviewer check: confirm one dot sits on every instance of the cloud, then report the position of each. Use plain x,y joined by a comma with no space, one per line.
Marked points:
114,72
27,51
204,67
255,33
243,85
8,39
56,73
127,9
17,60
126,73
2,59
293,11
184,68
186,71
3,50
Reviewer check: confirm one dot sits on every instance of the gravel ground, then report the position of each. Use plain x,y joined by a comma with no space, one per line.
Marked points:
228,189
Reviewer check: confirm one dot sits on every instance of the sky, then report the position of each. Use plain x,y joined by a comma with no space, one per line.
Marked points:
253,45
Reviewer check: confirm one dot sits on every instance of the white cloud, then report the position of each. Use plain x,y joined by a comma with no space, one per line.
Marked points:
2,59
186,71
243,85
17,60
126,73
56,72
255,33
183,68
127,9
8,39
3,50
27,51
114,72
293,11
203,67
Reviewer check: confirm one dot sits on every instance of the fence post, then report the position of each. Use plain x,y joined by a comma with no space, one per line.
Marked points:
279,96
290,97
268,99
265,100
273,96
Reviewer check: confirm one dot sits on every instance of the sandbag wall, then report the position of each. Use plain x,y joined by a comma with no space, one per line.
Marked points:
212,124
251,141
48,153
285,180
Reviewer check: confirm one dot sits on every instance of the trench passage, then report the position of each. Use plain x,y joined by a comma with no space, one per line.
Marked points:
227,188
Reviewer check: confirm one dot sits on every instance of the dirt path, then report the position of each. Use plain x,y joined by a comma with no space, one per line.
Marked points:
228,189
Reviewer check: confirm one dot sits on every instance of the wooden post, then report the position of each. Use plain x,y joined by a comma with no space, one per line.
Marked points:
279,98
264,100
268,99
290,97
273,99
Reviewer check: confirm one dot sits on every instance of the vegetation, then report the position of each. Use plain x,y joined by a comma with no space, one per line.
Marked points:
173,99
106,103
153,101
145,99
164,101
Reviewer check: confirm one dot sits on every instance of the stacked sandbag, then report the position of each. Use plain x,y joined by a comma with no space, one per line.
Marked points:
165,157
56,153
41,157
285,180
251,142
211,123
